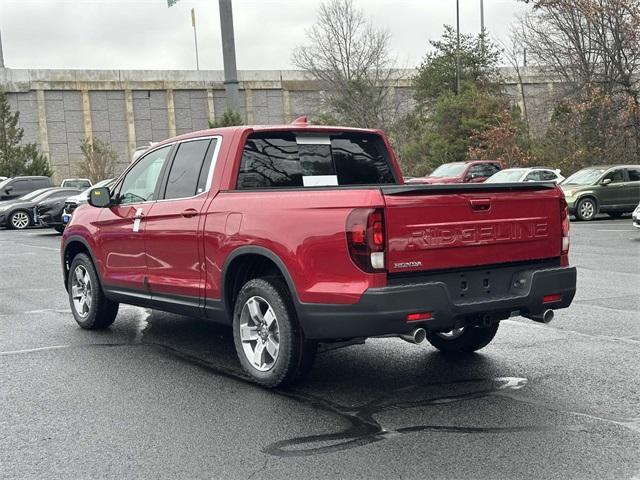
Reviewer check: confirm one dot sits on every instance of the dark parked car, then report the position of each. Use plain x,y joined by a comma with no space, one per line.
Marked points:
48,213
19,214
612,190
17,187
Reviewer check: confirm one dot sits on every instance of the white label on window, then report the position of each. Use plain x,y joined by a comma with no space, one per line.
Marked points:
319,180
312,140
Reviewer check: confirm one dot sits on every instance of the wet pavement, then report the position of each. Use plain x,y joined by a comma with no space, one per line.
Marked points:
163,396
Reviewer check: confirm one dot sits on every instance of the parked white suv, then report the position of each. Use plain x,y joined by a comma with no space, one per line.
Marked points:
535,174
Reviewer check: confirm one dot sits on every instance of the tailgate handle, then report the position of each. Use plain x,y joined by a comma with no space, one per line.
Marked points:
480,204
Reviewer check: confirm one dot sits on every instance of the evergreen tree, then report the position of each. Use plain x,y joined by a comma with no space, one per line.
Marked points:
16,158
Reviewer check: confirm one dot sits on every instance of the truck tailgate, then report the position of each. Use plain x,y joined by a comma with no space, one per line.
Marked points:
451,226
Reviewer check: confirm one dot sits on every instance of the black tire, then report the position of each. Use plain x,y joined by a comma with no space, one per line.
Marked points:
615,214
59,228
295,355
586,209
101,312
19,215
470,340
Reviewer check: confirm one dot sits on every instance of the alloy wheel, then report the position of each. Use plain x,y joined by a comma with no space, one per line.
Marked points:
81,291
587,209
20,220
259,333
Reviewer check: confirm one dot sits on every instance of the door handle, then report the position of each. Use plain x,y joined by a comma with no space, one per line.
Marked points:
139,214
480,204
189,212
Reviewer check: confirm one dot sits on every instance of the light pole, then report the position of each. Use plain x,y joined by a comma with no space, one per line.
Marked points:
458,47
195,36
229,55
1,57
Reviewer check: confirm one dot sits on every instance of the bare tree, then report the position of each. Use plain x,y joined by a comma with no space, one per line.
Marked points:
99,160
594,46
350,59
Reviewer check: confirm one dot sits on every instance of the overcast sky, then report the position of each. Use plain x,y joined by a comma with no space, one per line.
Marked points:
145,34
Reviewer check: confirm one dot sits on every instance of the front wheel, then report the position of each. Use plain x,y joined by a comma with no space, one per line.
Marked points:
586,209
19,220
59,228
464,339
268,339
91,309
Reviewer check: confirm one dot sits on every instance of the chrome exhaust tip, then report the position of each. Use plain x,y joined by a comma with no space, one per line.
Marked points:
544,317
416,336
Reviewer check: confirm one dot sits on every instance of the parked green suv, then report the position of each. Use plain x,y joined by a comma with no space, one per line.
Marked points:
613,190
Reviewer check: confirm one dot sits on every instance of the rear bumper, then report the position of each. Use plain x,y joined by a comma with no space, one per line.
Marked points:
383,311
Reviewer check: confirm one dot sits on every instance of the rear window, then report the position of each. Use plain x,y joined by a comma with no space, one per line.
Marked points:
291,159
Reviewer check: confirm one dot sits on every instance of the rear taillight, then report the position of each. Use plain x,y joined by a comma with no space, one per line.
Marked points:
564,218
365,237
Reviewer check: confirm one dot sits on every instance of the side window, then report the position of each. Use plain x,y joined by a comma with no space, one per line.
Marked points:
20,187
361,161
270,162
616,176
492,169
548,175
534,176
476,171
634,174
186,169
140,182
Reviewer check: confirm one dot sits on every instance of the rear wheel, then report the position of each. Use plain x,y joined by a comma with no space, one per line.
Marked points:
91,309
19,220
463,339
269,342
586,209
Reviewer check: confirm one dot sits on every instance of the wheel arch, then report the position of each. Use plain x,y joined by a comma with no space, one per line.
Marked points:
249,262
72,247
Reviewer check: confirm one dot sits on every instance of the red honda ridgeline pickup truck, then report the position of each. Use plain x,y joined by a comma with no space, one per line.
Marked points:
300,234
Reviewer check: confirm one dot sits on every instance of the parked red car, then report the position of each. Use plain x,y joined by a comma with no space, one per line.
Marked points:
298,234
461,172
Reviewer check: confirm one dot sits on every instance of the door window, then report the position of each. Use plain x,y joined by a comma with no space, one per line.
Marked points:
634,174
616,176
535,176
140,182
548,175
483,170
186,169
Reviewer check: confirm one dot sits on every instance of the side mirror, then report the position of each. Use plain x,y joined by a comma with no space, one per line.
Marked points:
606,181
100,197
8,189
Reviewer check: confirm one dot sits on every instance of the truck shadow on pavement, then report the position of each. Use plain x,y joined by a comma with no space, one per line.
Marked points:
210,347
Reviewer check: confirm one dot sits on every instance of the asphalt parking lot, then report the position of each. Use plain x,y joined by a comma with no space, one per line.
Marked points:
159,396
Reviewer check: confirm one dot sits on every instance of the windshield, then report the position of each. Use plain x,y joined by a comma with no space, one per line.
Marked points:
506,176
76,183
448,170
584,177
4,182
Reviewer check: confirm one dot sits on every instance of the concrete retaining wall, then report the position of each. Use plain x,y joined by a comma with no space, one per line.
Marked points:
130,108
